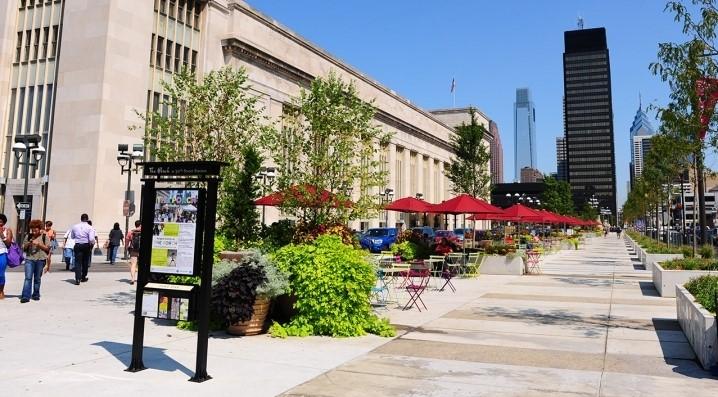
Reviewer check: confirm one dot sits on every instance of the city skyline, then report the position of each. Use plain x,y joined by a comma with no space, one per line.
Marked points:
488,69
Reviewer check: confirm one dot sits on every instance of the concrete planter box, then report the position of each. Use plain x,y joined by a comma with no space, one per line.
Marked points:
667,280
656,258
699,325
497,264
567,245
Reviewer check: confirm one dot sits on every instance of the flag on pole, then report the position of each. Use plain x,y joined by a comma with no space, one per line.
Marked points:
453,85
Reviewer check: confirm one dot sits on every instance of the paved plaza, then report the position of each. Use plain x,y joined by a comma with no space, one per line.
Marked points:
592,325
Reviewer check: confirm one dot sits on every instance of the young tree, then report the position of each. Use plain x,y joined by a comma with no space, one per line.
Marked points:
469,170
240,219
557,196
682,66
327,153
213,118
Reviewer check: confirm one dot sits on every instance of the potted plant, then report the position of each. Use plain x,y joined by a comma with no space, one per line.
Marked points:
242,291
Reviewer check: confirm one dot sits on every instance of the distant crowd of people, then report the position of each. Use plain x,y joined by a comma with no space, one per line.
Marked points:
41,241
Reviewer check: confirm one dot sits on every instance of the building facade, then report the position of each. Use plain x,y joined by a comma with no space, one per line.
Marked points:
640,133
524,132
588,118
561,166
530,175
97,63
497,154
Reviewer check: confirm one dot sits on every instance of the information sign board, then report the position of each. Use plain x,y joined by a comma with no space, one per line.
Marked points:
174,234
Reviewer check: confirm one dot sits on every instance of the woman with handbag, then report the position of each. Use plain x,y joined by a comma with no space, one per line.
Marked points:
36,248
6,236
114,242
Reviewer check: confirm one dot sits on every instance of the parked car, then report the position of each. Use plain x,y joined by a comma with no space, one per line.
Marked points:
447,234
424,231
461,232
379,238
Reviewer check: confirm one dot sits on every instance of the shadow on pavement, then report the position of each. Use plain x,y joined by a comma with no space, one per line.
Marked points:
591,326
116,298
647,288
153,357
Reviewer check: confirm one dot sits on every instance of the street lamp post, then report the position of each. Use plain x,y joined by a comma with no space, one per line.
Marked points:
30,147
266,177
129,161
386,197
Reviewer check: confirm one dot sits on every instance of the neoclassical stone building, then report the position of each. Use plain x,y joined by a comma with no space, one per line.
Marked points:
75,71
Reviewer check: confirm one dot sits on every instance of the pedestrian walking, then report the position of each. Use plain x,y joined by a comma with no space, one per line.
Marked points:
52,235
7,239
84,235
132,242
68,251
115,239
618,231
36,248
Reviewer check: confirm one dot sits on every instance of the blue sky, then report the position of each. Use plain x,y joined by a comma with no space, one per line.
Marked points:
491,48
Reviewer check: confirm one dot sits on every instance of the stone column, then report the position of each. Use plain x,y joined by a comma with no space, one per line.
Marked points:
391,159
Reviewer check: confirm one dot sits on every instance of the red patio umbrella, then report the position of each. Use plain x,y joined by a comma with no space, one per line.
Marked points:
408,204
464,204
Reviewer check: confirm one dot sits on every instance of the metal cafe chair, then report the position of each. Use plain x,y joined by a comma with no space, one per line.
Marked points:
473,264
417,281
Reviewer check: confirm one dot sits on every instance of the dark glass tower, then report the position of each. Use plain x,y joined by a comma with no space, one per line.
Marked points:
588,117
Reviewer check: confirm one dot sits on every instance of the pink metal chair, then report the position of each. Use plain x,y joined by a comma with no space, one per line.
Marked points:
417,281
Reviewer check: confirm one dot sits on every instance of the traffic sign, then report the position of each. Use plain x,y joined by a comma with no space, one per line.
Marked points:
126,208
23,205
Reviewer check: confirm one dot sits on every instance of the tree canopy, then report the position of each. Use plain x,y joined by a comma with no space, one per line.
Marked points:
469,169
557,196
327,150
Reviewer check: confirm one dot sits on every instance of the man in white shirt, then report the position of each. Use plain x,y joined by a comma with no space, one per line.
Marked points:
67,251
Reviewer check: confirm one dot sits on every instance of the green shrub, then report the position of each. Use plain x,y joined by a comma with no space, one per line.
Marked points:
499,249
704,289
706,251
332,283
407,250
690,264
687,251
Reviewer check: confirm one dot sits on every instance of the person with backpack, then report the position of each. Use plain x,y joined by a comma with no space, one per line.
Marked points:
7,239
132,242
36,248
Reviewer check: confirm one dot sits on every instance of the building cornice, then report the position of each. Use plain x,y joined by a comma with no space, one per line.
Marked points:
255,56
243,7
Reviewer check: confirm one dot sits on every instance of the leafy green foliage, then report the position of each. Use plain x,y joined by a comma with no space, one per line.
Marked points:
704,289
421,247
406,250
656,247
238,285
238,214
499,249
469,170
557,196
706,252
330,142
212,118
332,282
690,264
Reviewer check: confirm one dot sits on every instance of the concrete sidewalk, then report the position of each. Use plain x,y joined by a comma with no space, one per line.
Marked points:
591,325
77,340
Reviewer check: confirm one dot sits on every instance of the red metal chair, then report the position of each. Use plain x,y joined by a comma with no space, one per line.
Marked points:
417,281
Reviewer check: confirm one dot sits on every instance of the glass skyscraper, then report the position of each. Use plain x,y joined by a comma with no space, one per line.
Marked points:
589,118
524,132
